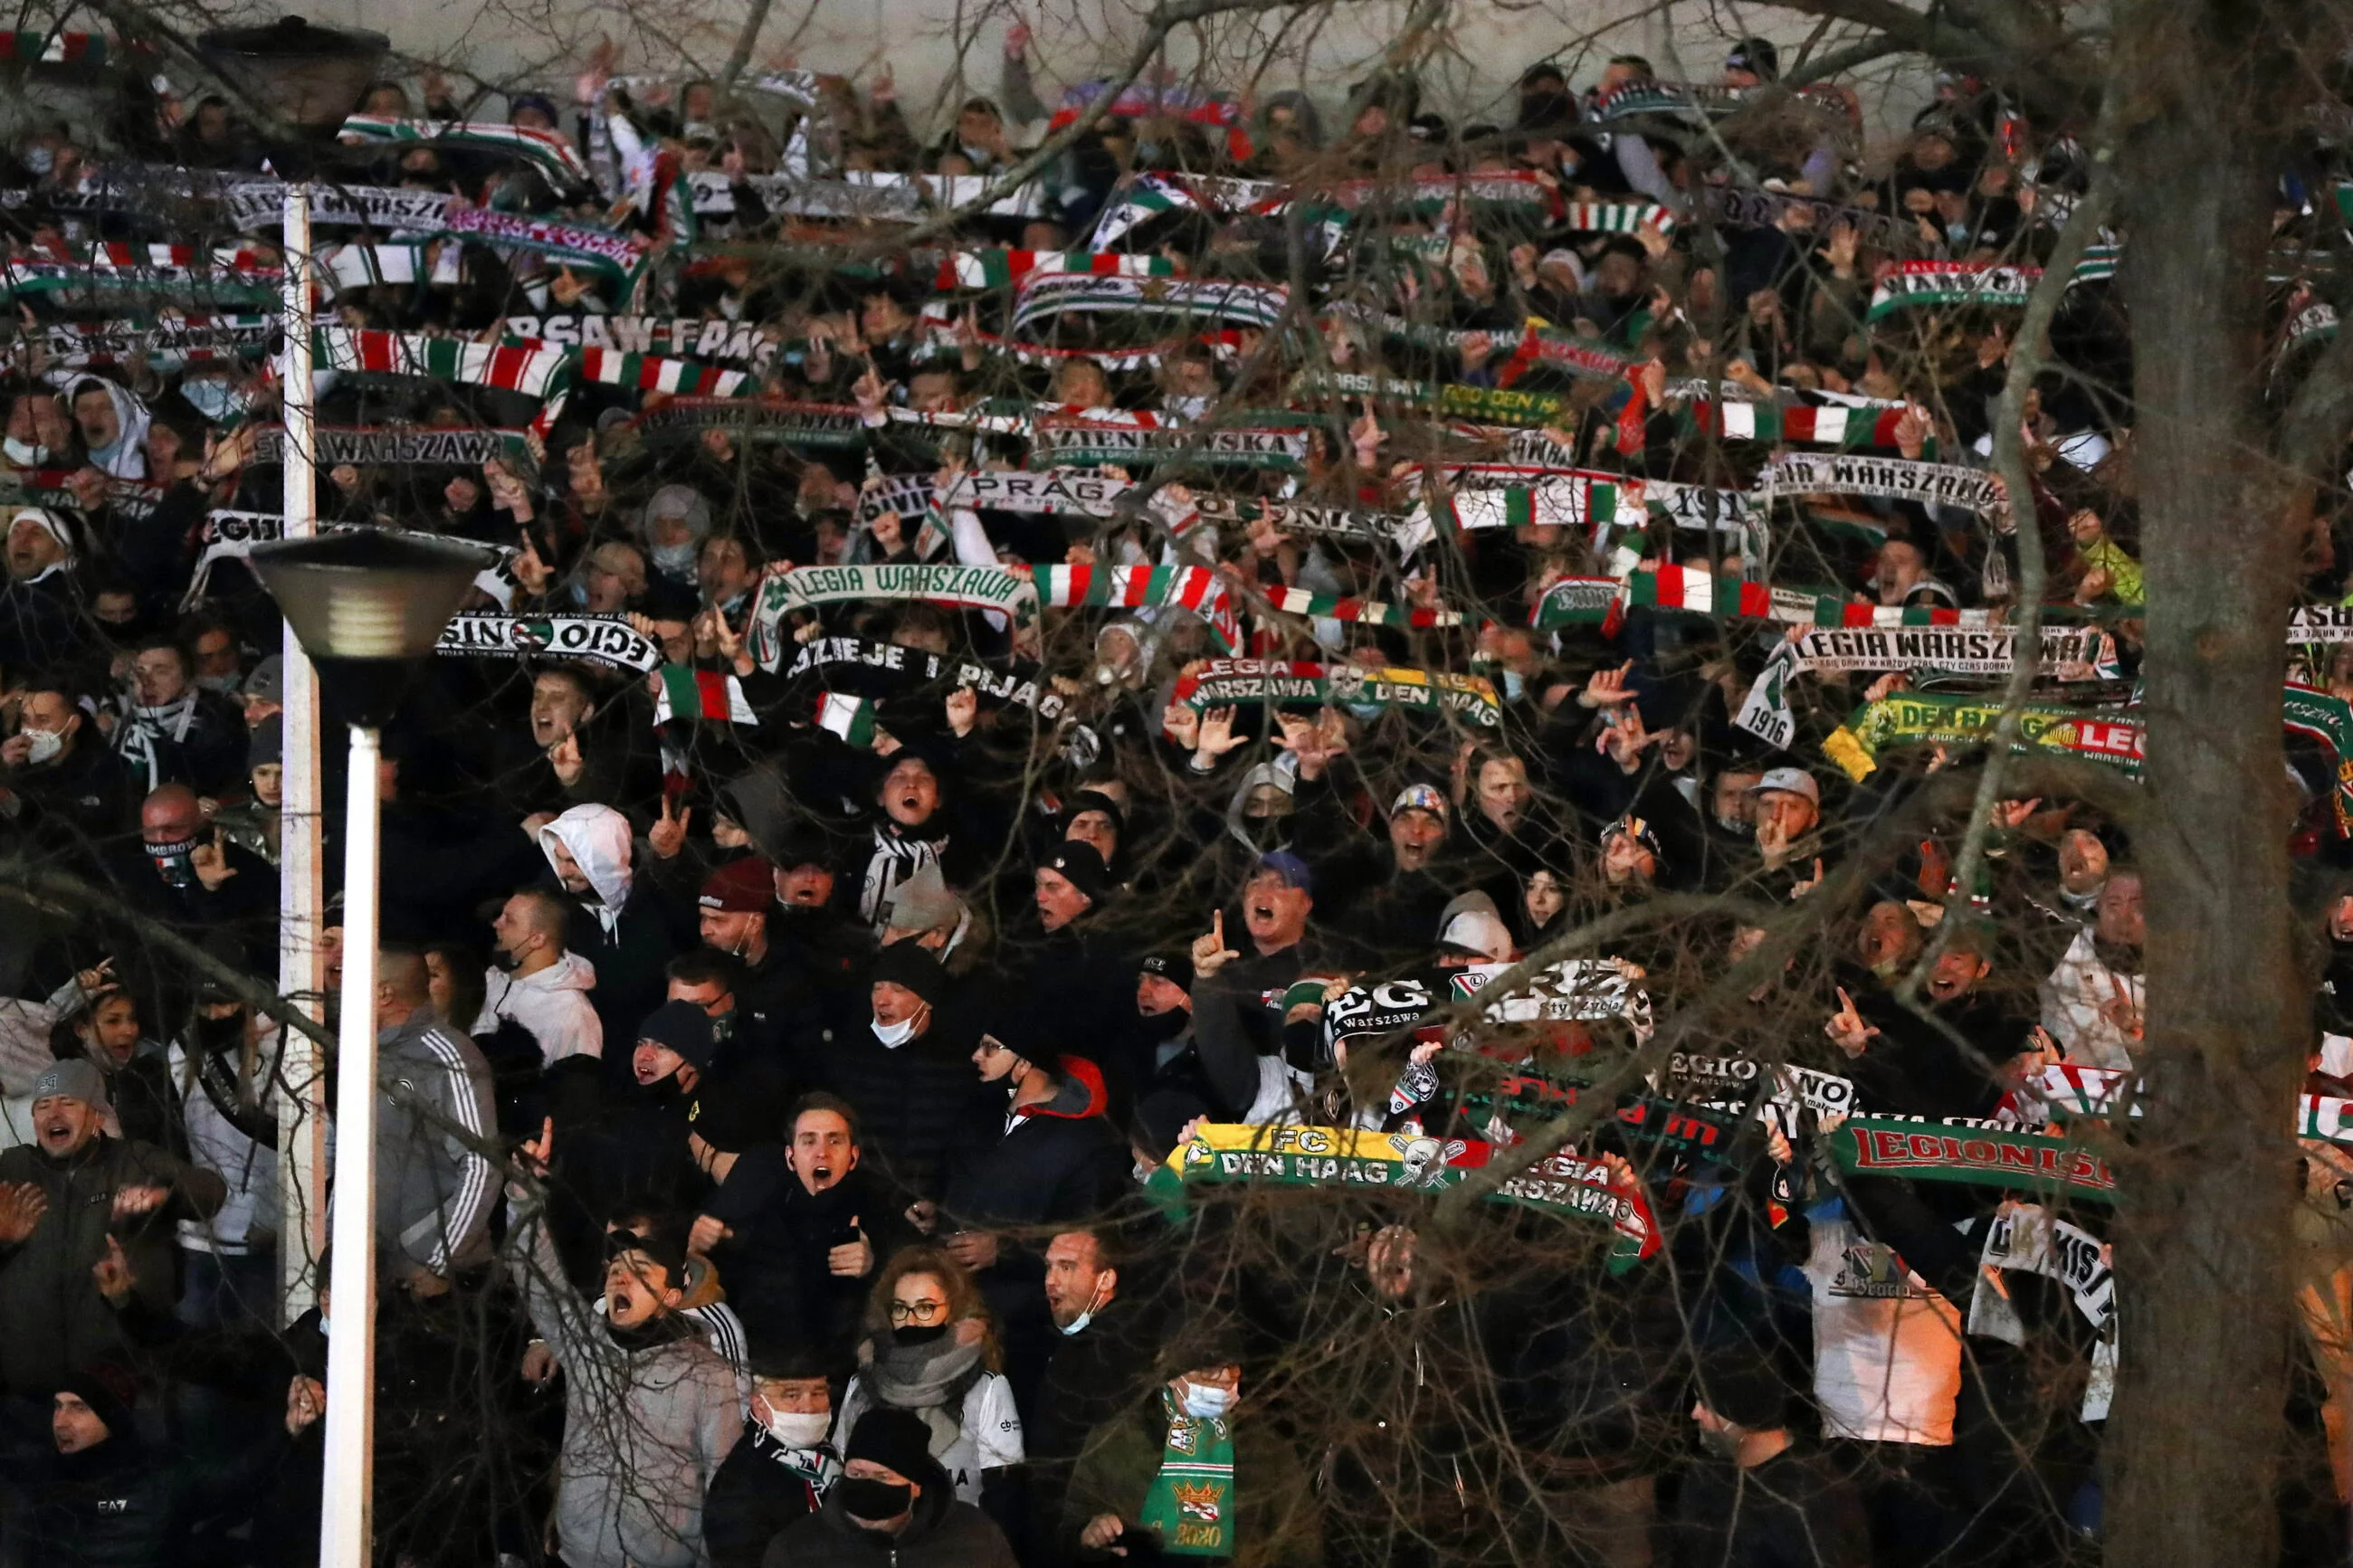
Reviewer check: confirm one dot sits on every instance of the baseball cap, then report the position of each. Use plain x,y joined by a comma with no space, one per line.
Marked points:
1796,780
1420,797
1470,924
1290,867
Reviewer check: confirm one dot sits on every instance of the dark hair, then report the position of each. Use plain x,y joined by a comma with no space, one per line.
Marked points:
818,1100
706,966
466,980
154,640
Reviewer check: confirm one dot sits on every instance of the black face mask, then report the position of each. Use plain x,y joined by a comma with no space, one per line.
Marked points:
917,1334
862,1496
173,862
1158,1026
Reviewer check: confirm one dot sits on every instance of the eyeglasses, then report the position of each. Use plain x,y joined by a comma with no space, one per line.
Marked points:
924,1312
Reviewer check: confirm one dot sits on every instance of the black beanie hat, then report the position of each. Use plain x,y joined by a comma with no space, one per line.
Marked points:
1083,864
108,1390
896,1440
685,1028
1741,1386
908,964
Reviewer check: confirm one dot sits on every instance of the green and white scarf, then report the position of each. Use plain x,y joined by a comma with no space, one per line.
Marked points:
1089,442
822,425
1047,295
597,639
549,150
1892,479
1190,1503
1014,593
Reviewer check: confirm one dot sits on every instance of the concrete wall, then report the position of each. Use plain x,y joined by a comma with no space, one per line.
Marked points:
938,49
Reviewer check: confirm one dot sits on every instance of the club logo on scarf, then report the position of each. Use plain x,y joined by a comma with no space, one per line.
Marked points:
1201,1501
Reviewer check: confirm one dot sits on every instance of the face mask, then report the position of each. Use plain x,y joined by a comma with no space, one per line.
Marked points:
1083,1319
1158,1026
225,685
796,1429
215,400
917,1333
171,862
40,160
674,559
323,1325
24,454
1515,685
578,594
1207,1404
865,1498
894,1034
46,744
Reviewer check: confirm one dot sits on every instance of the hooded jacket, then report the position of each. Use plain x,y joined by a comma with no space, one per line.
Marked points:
552,1004
627,931
645,1429
113,1506
127,459
945,1533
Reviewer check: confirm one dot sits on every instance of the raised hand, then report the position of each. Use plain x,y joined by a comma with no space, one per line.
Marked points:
852,1259
1182,724
566,759
1210,953
306,1400
210,862
1608,687
21,1204
1218,735
962,707
130,1203
666,836
112,1274
1846,1028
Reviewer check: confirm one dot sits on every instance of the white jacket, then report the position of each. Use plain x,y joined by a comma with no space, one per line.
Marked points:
553,1005
2072,997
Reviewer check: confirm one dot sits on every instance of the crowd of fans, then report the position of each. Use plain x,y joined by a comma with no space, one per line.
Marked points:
816,942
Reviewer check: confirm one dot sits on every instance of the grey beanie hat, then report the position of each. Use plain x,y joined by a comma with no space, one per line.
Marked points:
77,1078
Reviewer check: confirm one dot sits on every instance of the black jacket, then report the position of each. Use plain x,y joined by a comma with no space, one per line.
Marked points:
1060,1160
1794,1510
114,1506
945,1533
774,1262
914,1102
758,1491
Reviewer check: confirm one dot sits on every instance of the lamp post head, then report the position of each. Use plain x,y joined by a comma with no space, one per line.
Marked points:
366,603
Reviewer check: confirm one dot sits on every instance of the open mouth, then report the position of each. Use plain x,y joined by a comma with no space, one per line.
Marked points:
822,1176
1260,911
58,1131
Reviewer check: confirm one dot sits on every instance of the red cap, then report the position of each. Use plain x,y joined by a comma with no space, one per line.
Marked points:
746,887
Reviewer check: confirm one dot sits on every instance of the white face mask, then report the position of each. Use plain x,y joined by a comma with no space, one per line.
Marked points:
1209,1404
24,454
46,744
894,1034
1083,1319
225,685
214,399
674,559
796,1429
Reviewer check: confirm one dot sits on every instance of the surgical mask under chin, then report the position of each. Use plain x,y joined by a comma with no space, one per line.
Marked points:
39,160
674,559
24,454
578,593
225,685
1083,1319
894,1034
798,1428
1207,1404
1515,685
45,743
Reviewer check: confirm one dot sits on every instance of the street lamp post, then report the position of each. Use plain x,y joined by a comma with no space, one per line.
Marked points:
367,605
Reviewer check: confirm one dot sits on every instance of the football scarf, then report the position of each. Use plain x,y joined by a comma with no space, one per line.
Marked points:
1012,593
1889,479
1220,682
597,639
685,692
549,150
168,342
1976,1155
1189,1505
861,668
1093,442
1011,269
1343,1159
821,426
1049,294
1919,718
1194,588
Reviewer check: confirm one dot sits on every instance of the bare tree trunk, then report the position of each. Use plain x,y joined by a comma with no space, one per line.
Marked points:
2204,1230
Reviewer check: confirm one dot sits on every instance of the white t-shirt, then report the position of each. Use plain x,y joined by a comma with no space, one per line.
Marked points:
987,1436
1887,1349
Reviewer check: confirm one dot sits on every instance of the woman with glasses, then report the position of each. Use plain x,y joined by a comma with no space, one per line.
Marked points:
931,1350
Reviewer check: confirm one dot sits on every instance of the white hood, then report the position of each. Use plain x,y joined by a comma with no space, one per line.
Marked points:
597,837
127,459
570,972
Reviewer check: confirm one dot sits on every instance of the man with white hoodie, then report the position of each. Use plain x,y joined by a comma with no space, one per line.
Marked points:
536,983
620,925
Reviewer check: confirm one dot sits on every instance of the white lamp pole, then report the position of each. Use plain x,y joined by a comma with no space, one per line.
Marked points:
301,900
367,605
343,1522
